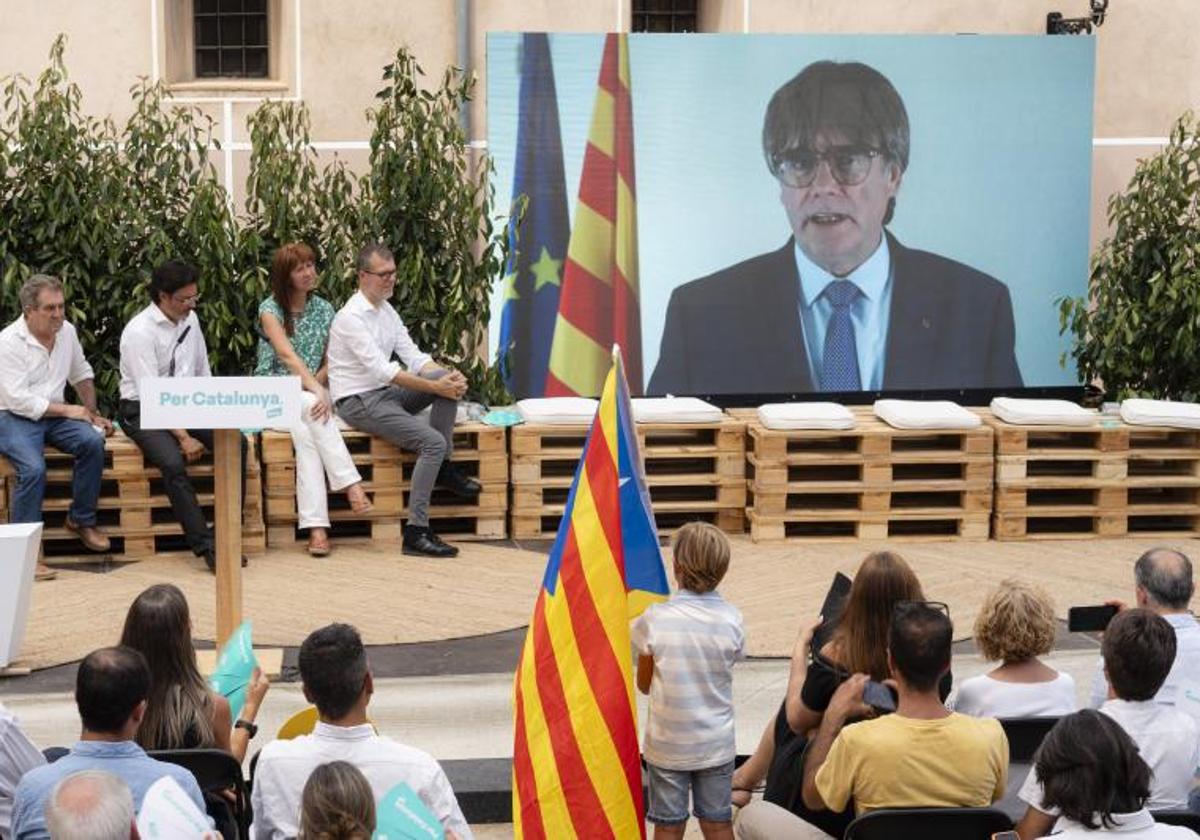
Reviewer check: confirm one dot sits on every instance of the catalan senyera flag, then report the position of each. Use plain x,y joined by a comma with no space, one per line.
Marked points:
576,763
599,304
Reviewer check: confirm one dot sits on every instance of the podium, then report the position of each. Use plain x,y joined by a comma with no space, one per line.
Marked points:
18,559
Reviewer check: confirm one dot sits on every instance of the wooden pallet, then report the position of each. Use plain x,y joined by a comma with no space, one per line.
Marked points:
133,508
912,497
693,471
479,450
1170,521
849,525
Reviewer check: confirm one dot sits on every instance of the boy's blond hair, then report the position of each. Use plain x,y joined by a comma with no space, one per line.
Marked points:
701,556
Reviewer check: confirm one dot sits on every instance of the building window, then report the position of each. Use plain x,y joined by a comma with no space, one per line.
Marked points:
231,38
664,15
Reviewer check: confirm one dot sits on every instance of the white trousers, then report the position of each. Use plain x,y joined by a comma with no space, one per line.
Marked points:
762,820
320,452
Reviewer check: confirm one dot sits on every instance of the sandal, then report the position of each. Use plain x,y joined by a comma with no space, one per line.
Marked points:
360,502
318,546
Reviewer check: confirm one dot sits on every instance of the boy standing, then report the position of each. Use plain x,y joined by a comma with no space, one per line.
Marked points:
686,650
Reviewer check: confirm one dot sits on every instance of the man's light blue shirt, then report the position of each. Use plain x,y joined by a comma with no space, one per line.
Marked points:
123,759
870,312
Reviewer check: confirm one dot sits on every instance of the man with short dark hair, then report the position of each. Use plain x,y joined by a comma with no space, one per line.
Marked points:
165,339
842,306
111,688
922,755
382,397
39,354
1139,648
337,680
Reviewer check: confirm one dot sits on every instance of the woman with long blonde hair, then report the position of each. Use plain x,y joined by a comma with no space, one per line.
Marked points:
337,804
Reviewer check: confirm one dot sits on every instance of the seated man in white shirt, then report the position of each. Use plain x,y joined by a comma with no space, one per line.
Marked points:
1163,584
336,678
375,394
39,355
1138,649
165,339
18,756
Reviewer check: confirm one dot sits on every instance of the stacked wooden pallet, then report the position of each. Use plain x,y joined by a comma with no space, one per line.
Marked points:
694,472
133,508
870,482
387,476
1106,479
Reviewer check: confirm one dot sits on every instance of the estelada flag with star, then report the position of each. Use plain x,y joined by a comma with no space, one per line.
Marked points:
533,274
576,766
600,304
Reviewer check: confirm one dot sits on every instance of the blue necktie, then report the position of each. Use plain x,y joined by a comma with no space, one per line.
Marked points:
839,364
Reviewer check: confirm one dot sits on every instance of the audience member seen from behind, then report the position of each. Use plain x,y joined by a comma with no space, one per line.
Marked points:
858,644
923,755
183,712
91,805
1091,773
18,756
1014,627
1164,585
337,679
1138,649
295,332
111,691
337,804
686,649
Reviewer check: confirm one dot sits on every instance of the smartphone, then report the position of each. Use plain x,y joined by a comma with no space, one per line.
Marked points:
1090,619
879,696
831,610
1006,835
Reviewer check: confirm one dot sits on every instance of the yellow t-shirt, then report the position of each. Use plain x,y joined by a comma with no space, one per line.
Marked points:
899,762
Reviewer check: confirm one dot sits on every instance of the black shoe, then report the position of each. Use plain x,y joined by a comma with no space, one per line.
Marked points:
422,542
210,560
451,478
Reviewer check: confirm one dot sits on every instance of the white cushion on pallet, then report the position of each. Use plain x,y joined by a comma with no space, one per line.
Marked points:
806,415
925,414
1042,412
558,411
675,410
1140,412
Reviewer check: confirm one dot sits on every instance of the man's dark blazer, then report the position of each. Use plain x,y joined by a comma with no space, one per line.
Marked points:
738,331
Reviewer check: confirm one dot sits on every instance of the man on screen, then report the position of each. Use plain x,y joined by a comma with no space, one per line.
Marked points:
842,306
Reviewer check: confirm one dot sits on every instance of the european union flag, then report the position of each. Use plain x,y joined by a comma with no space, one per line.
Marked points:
533,275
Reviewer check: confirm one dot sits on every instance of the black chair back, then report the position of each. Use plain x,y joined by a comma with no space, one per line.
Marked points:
929,824
1187,819
215,771
1025,735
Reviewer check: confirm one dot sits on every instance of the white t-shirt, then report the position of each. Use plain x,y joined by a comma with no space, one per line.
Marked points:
985,696
1168,741
694,639
1139,825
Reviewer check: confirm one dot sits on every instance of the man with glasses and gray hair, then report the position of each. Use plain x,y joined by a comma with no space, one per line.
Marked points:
1164,585
39,354
165,339
842,306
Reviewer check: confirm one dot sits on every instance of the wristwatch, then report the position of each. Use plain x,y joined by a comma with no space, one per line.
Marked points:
251,728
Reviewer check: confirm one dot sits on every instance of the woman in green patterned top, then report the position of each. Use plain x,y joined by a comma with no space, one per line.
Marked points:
295,329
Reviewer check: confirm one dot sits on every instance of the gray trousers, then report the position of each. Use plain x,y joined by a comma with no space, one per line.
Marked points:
388,413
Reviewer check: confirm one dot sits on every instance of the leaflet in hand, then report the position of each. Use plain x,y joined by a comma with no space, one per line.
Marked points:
401,815
235,666
168,813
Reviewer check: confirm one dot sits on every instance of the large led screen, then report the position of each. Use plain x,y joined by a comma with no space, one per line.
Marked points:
789,214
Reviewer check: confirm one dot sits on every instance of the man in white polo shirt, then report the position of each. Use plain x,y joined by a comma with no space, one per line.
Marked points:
39,355
375,394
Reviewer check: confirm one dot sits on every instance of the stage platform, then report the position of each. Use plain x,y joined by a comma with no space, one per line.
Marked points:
491,587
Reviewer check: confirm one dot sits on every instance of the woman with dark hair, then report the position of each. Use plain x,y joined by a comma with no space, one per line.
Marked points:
182,712
858,644
295,333
1091,773
337,804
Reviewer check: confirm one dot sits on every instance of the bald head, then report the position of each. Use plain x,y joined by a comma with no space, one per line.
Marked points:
90,805
1166,577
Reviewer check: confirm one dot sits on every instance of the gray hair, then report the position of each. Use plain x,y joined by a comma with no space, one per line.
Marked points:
1166,575
90,805
34,287
374,249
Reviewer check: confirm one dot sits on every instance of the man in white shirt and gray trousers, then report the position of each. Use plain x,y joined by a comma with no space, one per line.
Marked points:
375,394
39,355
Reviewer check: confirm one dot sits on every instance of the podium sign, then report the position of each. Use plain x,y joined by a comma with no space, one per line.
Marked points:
19,550
220,402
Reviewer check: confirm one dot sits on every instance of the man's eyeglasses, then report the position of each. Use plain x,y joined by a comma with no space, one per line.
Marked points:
849,165
187,299
382,275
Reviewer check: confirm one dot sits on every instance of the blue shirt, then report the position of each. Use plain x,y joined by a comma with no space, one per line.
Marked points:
124,759
870,313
